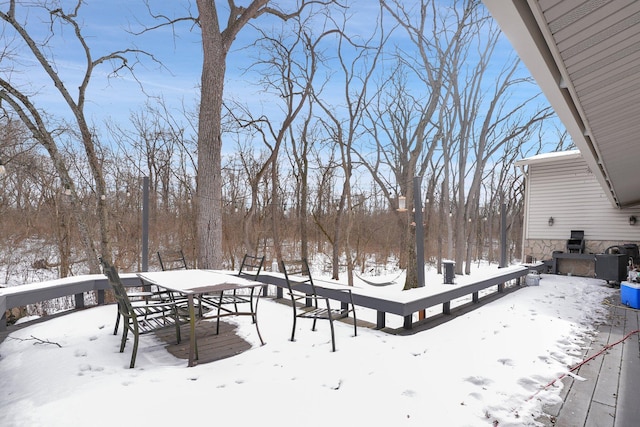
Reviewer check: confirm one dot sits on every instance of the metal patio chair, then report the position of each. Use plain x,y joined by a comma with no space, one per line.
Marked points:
311,305
249,269
172,260
169,261
143,318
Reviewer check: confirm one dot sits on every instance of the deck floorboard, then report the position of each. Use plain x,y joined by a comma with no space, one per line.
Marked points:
607,393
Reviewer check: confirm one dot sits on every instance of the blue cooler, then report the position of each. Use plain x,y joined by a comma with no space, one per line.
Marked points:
630,294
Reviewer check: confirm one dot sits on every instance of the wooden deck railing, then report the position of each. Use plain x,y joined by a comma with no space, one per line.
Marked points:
404,304
22,295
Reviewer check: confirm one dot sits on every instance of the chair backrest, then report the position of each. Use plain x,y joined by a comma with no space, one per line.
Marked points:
251,266
577,234
172,260
124,304
297,268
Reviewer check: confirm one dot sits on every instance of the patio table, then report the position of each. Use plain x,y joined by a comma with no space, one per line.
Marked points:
196,282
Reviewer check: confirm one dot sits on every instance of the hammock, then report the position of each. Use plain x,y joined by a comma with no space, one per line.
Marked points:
368,282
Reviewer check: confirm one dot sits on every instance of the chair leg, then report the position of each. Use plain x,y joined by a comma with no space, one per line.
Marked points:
218,317
115,330
178,335
293,330
254,315
135,350
200,312
124,337
333,336
235,303
355,322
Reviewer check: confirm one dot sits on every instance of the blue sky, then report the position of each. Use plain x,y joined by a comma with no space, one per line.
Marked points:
104,27
179,51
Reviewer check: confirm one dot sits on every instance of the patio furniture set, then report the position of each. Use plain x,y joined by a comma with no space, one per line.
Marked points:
177,295
193,284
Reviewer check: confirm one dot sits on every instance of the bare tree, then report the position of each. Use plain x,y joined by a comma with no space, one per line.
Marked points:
155,144
216,42
482,119
300,156
453,46
433,32
42,128
287,65
357,63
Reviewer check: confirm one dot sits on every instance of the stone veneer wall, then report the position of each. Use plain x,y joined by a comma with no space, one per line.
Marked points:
543,248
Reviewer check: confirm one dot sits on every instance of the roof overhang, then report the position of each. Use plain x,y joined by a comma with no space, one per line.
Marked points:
585,56
556,156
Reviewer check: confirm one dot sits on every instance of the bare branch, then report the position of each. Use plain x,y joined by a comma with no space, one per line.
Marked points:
37,341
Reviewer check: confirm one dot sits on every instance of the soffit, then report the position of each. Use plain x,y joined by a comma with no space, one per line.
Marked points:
585,55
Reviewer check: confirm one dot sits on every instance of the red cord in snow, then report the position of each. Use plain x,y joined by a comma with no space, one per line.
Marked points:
605,348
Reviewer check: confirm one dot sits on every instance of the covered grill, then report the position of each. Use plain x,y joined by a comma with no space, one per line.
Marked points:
576,243
613,265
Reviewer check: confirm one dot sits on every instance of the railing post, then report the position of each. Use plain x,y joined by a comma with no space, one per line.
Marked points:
503,235
408,322
145,223
417,198
418,218
79,300
3,313
446,307
381,319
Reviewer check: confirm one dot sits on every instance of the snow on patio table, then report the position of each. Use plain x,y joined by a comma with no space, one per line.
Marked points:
488,365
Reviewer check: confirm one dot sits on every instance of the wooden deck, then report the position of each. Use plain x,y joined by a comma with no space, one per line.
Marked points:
607,392
211,347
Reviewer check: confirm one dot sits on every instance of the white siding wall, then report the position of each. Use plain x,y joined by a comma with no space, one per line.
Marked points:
567,191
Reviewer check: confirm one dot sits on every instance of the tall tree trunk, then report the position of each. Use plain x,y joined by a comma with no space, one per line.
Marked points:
209,180
275,210
337,233
304,197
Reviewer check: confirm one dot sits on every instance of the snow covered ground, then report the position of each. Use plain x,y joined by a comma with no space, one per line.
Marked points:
488,367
